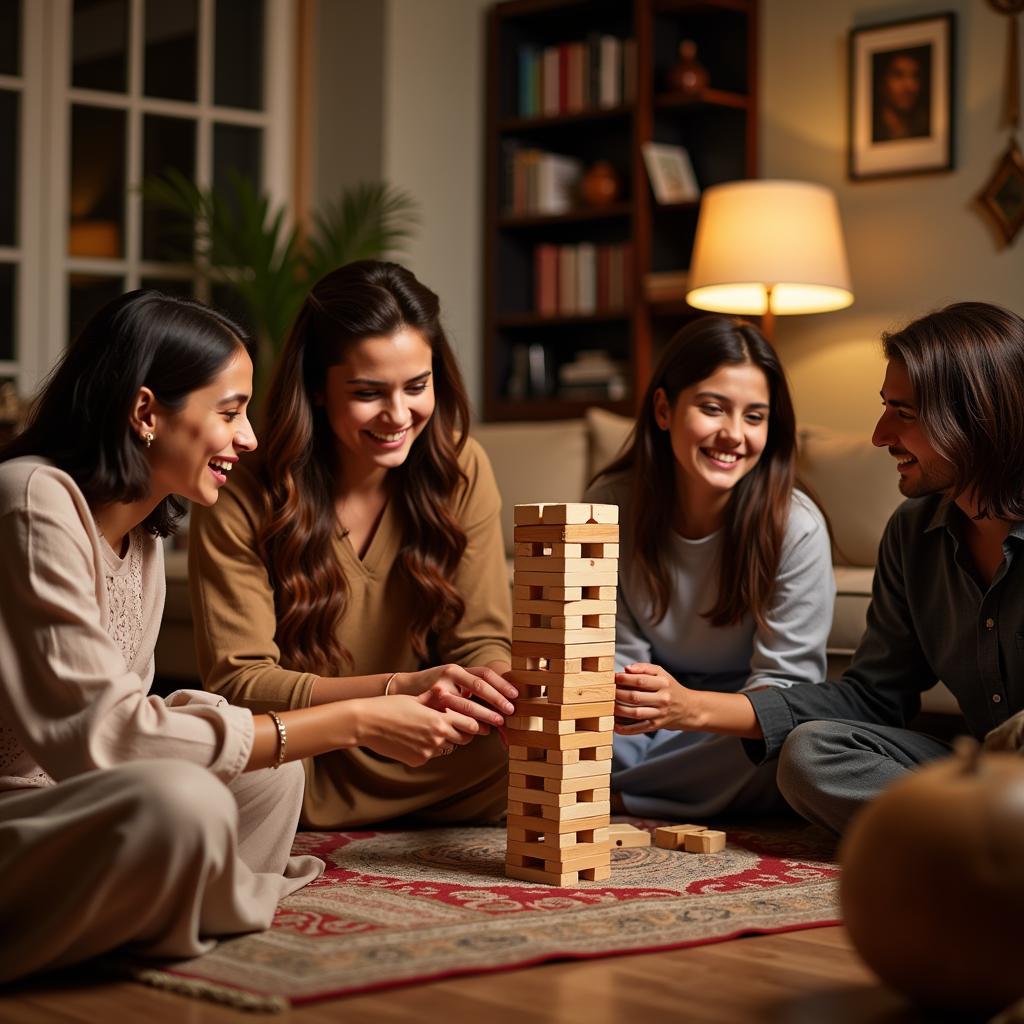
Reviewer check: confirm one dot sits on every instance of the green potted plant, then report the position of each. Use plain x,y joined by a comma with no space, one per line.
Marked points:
235,238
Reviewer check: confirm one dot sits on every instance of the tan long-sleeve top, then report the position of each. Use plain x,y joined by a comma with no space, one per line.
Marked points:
233,601
78,625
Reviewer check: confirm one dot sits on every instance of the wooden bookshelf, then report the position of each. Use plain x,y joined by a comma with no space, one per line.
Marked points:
718,129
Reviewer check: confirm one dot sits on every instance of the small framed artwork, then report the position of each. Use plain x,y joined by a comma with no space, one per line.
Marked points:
671,173
901,97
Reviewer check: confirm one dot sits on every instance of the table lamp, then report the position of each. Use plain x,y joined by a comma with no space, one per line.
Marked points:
769,247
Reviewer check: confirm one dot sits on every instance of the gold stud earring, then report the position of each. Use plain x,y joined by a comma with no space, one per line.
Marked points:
148,439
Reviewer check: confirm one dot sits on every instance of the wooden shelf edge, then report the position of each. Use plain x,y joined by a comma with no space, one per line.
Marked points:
581,214
520,124
708,98
676,6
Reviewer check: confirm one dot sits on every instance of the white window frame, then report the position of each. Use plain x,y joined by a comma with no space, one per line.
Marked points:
41,294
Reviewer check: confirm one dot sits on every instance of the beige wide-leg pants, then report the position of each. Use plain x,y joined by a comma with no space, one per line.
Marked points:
157,856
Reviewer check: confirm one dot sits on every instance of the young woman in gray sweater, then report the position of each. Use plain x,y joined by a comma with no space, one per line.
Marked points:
726,571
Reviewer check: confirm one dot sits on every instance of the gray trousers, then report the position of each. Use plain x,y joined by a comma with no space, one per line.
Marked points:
157,856
682,775
829,770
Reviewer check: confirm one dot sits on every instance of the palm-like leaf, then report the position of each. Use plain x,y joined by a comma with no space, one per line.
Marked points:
232,236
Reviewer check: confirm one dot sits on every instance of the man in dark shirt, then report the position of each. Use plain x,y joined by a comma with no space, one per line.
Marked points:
948,595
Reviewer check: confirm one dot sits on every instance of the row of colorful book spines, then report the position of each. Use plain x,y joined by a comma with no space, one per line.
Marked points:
575,76
582,279
540,182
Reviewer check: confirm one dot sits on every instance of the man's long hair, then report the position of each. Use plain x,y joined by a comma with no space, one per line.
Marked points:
966,366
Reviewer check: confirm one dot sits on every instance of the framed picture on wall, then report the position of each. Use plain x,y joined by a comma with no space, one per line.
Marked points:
901,97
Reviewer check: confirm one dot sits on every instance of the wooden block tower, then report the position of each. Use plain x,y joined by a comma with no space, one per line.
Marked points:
563,664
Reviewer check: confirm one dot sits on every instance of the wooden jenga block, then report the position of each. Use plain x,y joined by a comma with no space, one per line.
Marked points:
541,707
584,533
580,784
542,825
565,567
543,663
547,741
575,637
546,812
523,676
621,834
707,841
596,874
562,756
570,514
564,858
584,837
565,652
547,549
537,578
542,796
582,770
549,591
673,837
524,606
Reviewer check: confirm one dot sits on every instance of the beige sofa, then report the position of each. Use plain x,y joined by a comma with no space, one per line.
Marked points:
553,461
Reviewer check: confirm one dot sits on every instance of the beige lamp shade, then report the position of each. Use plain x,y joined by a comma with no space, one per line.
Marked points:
769,247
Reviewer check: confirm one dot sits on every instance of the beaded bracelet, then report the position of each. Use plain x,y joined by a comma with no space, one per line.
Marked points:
282,737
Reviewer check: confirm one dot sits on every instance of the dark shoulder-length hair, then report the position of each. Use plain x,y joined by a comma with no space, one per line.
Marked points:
80,418
758,509
360,300
966,366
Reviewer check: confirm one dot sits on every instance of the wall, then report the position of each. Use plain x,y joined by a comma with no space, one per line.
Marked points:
400,96
914,243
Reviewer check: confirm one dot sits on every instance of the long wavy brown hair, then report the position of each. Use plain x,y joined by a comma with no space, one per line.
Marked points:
758,509
360,300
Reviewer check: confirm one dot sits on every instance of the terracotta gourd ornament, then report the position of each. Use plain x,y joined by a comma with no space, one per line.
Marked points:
933,881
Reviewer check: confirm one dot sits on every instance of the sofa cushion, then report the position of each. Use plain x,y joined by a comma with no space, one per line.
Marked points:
608,433
856,484
534,462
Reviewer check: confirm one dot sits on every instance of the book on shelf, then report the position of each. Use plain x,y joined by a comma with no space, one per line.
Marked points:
592,375
541,182
581,279
574,76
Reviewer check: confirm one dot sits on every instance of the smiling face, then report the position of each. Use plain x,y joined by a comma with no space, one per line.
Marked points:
718,429
378,401
921,468
195,447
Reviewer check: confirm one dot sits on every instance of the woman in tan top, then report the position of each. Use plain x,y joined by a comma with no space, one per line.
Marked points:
161,818
361,552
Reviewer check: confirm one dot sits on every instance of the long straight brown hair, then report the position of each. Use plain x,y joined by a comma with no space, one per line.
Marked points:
758,509
360,300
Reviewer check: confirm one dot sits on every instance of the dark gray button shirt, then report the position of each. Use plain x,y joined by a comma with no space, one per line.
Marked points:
931,617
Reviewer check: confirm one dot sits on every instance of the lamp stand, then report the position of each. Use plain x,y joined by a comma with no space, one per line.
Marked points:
768,316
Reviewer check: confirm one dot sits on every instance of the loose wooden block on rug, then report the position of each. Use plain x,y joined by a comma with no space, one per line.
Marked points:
400,907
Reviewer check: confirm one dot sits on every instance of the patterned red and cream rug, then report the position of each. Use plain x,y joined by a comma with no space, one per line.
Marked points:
400,907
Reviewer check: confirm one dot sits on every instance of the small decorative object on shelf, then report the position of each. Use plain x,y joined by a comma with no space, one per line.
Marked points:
593,376
687,76
671,173
600,185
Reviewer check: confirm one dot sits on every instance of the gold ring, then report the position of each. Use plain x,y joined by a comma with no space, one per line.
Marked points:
445,751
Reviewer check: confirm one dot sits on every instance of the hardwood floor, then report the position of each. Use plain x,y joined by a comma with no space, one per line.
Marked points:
806,977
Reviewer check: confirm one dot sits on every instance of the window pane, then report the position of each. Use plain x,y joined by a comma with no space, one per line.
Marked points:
168,285
238,54
7,275
167,142
97,182
171,40
99,45
88,293
8,167
10,37
236,148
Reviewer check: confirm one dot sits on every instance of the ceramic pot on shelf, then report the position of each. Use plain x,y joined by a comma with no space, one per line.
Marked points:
687,77
600,185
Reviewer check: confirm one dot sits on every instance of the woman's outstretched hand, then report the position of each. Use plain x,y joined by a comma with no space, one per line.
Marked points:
407,729
457,689
649,698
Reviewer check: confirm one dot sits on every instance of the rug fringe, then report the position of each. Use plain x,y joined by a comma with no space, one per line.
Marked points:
199,988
